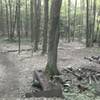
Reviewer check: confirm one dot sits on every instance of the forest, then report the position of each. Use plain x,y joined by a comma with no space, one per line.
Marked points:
50,49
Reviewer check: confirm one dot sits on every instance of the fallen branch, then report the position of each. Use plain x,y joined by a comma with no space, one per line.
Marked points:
7,51
90,79
78,76
94,77
93,59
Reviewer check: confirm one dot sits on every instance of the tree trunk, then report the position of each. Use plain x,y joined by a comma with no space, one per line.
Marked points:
10,11
90,26
87,26
51,67
31,17
69,34
15,18
94,19
44,48
26,20
7,18
37,17
1,17
18,22
74,21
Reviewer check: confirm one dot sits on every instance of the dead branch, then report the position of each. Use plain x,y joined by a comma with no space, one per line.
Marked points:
8,51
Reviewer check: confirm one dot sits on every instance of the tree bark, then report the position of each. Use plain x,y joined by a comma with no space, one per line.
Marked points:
69,34
10,12
18,23
7,18
74,20
94,19
87,25
37,19
51,67
14,21
31,17
44,48
26,19
1,17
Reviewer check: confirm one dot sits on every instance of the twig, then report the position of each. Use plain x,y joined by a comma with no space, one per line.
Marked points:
79,77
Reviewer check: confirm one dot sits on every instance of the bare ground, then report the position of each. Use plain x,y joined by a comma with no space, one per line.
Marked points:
16,70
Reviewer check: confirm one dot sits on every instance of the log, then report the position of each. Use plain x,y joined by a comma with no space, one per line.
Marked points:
41,77
7,51
56,92
91,66
93,59
49,89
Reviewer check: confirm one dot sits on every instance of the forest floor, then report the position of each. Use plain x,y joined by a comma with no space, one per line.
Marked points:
16,70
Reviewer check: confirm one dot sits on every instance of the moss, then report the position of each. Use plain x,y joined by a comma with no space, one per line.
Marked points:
51,70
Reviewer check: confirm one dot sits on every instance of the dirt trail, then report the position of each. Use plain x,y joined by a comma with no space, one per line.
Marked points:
9,83
16,71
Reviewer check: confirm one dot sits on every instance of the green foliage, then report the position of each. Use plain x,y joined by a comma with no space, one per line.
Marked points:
72,93
98,3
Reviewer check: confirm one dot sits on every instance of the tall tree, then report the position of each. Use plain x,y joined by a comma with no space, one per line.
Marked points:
81,20
69,35
1,17
7,17
88,35
51,67
37,19
66,17
15,18
75,19
45,31
26,19
94,18
31,21
91,13
98,28
10,14
18,23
